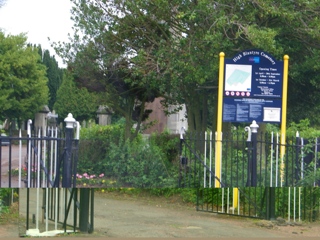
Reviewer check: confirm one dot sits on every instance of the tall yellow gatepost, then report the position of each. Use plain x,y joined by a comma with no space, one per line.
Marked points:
218,143
219,123
284,114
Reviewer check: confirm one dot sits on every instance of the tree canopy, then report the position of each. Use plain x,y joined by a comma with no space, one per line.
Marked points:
23,82
171,48
54,75
78,101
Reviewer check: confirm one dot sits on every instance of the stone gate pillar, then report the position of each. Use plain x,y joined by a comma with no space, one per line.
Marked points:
41,118
104,115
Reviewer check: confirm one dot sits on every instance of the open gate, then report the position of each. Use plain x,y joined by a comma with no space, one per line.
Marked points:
254,180
52,211
44,158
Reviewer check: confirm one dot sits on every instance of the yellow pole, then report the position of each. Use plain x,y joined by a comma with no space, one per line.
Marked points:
235,198
219,122
284,113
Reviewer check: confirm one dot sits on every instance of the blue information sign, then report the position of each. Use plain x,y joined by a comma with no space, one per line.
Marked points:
252,88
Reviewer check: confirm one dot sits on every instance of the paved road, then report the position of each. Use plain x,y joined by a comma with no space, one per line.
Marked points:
129,217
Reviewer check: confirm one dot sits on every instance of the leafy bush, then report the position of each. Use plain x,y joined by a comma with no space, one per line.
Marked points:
137,164
168,144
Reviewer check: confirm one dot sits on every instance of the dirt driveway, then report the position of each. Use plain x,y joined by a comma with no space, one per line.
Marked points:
127,216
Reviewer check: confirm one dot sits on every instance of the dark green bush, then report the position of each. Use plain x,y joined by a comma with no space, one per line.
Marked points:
138,163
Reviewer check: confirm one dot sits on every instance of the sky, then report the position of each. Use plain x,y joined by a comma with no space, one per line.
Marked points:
39,19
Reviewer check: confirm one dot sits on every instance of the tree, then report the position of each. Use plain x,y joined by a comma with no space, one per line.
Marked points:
23,82
54,75
78,101
173,46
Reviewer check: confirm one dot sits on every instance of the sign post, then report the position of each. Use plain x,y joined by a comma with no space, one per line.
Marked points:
252,87
219,124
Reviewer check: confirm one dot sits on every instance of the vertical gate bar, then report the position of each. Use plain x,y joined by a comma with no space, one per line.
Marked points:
228,205
271,160
315,161
289,203
239,202
249,200
277,159
260,160
244,202
299,204
229,146
297,158
51,156
28,202
29,152
265,143
210,159
75,209
47,208
287,165
237,159
38,158
44,177
0,166
200,168
222,200
20,158
55,144
205,161
224,155
65,209
10,159
243,160
56,206
218,194
302,160
294,204
37,208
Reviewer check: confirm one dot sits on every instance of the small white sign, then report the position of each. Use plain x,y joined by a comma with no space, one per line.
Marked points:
271,114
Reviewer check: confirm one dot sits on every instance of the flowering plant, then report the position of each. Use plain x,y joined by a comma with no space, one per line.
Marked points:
85,180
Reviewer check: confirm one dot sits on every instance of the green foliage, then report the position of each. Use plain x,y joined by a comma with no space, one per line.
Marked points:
54,75
180,52
304,129
94,146
78,101
168,144
23,82
136,164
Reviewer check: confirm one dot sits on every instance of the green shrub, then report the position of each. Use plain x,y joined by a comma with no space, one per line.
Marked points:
137,164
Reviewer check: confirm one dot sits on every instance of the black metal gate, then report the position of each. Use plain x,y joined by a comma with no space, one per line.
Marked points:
42,158
255,181
50,211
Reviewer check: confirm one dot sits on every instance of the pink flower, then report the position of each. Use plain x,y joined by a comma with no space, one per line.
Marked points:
101,175
85,174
